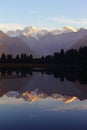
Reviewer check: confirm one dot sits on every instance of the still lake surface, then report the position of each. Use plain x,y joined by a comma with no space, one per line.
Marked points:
42,102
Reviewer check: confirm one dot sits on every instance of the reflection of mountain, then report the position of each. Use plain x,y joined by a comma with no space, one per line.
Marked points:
35,95
43,86
7,85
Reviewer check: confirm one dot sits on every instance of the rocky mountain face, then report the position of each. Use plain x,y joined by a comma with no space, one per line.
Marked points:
14,46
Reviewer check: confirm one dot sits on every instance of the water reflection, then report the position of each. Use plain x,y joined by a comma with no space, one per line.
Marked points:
32,85
72,75
43,99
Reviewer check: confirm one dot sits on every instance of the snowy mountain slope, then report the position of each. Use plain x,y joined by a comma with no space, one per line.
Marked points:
45,42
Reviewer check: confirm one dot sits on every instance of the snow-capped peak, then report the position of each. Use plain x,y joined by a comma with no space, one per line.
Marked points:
38,33
30,29
27,31
65,29
69,29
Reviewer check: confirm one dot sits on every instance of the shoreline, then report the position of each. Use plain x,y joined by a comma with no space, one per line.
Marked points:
37,66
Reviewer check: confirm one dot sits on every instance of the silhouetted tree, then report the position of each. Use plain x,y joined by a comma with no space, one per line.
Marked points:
10,58
3,58
17,59
22,58
31,57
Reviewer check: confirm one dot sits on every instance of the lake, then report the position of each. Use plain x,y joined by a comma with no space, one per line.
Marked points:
42,101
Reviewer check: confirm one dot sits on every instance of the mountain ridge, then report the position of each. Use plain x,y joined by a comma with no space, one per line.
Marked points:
13,45
46,42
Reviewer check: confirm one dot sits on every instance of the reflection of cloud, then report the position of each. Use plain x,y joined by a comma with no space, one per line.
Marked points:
73,106
11,101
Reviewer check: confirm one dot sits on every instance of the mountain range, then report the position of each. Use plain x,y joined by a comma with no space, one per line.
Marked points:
38,42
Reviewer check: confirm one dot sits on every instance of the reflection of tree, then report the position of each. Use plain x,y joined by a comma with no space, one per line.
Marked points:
3,72
9,73
71,75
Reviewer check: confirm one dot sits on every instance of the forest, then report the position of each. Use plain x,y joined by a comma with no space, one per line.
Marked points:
69,57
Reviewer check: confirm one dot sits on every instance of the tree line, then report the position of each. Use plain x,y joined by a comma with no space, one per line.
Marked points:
72,56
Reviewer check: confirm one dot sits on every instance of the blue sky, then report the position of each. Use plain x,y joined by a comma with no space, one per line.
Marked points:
42,13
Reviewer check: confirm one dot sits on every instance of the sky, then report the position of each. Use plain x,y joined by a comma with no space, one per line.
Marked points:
16,14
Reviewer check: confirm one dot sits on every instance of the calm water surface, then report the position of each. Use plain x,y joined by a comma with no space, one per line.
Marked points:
42,102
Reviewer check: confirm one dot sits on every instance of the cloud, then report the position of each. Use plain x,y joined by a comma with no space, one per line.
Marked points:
13,26
48,23
68,21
